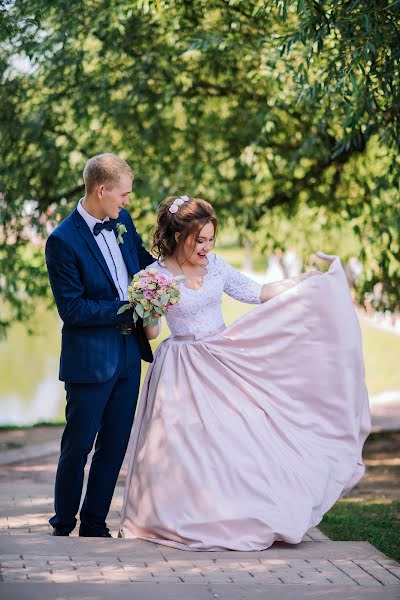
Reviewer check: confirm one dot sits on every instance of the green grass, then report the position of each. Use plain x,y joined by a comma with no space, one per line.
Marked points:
60,423
381,353
234,255
375,520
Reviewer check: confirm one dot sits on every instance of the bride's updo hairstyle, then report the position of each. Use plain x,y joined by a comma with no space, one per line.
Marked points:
186,217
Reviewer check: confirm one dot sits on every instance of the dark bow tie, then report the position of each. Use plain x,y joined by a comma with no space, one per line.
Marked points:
109,225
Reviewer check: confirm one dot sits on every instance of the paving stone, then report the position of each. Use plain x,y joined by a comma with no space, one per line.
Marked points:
171,579
115,576
376,570
290,578
29,452
242,577
41,577
58,577
108,568
14,576
91,578
395,571
141,577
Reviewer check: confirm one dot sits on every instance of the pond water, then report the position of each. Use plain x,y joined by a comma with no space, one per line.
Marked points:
29,388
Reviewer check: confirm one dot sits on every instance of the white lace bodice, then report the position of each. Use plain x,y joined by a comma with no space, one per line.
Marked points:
198,312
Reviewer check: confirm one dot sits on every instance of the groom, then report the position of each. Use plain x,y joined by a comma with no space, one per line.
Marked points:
91,257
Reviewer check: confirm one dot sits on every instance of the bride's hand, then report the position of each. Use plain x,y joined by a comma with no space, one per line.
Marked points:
310,273
270,290
328,257
152,332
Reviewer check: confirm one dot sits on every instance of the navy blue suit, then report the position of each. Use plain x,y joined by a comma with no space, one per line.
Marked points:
100,367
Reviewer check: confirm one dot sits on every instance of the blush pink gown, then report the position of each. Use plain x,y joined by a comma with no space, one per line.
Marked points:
248,434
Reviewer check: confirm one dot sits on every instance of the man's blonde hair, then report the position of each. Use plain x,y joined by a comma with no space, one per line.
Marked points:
104,169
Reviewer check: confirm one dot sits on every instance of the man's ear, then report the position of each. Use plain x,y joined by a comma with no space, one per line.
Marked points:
100,191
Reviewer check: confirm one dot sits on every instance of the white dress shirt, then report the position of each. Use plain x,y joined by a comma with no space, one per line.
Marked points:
111,251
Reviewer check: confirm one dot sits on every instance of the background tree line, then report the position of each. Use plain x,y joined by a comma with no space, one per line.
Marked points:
284,114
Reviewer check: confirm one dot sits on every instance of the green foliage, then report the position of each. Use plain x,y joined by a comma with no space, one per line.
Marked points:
265,108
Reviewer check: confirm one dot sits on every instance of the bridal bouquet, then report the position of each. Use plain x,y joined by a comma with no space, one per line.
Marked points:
150,294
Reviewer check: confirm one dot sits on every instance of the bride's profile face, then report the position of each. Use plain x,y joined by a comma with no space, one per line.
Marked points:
203,244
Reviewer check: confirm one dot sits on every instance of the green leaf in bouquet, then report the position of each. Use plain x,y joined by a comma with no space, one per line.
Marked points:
159,310
135,317
153,322
164,299
123,308
140,310
147,313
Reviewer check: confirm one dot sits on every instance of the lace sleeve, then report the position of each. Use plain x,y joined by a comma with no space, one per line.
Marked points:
237,285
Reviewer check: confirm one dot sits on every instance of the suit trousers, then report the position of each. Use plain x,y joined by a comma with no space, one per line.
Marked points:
107,410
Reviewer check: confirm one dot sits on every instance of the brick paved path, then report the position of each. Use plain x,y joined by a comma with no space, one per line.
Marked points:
63,567
38,558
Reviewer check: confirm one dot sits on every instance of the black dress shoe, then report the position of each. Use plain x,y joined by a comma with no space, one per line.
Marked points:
60,532
93,533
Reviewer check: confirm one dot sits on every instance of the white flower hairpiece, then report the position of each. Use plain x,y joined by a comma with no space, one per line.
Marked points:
177,203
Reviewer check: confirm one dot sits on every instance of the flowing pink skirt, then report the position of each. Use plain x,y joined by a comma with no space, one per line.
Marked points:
249,436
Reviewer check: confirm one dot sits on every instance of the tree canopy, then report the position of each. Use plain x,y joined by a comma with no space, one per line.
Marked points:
267,109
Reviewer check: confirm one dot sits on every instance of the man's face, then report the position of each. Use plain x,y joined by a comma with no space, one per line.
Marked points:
110,202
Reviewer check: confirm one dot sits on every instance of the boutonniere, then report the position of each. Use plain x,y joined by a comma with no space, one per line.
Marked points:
121,229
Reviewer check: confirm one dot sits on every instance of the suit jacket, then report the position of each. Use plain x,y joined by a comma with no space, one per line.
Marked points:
88,301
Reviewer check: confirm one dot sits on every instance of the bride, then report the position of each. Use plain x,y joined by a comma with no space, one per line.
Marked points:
245,434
